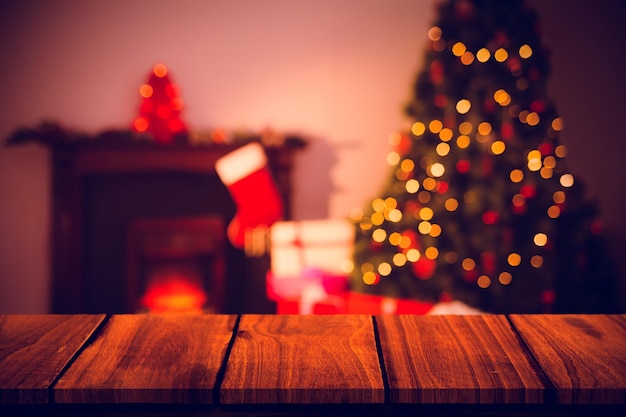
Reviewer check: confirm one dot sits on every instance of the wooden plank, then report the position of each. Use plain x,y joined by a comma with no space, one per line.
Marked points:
456,359
149,359
34,349
303,360
583,355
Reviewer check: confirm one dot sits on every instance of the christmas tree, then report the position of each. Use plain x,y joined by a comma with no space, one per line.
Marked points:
161,104
480,206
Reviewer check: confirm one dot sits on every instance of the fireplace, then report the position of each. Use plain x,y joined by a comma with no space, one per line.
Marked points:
176,264
133,218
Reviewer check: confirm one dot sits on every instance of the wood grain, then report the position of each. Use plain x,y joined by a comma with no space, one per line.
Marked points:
34,349
583,355
303,360
149,359
456,359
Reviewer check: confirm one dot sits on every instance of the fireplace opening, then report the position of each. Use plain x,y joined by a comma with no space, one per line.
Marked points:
176,265
156,239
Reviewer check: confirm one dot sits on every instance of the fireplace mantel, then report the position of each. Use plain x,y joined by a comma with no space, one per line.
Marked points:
76,159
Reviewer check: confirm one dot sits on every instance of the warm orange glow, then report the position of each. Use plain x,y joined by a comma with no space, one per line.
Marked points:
378,204
146,91
140,124
567,180
468,264
442,149
379,235
483,55
426,213
557,124
435,126
413,255
399,259
176,103
378,218
418,128
459,49
463,106
540,239
516,175
370,278
431,253
407,165
384,269
160,70
434,33
498,147
463,141
525,51
429,183
451,204
536,261
467,58
483,281
465,128
394,238
514,259
505,278
412,186
174,294
558,197
393,158
484,128
501,55
435,230
446,134
424,227
437,170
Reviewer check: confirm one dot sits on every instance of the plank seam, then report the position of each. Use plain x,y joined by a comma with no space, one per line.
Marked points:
92,337
550,391
221,373
381,362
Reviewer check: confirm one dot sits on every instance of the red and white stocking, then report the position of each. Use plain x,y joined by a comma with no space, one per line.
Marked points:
244,171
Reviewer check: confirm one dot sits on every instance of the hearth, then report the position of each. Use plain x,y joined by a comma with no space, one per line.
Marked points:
131,217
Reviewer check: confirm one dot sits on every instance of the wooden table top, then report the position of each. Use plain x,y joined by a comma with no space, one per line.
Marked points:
226,362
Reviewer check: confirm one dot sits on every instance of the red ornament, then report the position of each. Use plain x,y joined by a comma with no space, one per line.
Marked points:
441,101
490,217
528,191
424,268
160,107
547,296
471,275
546,148
596,227
486,165
436,72
463,166
506,131
538,106
489,106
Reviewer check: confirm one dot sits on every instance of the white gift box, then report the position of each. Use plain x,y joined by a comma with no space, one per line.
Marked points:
298,246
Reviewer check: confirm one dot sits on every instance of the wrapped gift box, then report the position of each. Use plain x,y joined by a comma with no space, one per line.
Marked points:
309,254
322,244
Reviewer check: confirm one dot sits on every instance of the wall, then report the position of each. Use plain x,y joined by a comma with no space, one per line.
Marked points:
335,71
